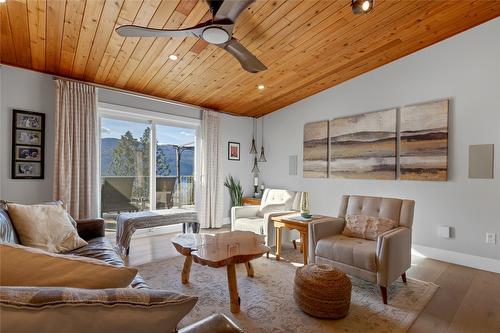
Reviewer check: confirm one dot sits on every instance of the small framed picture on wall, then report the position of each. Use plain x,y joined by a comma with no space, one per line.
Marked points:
233,151
28,135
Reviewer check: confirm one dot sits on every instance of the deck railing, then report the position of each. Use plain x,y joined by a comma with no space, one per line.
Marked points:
123,193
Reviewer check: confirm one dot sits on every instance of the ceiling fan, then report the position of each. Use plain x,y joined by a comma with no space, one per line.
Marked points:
218,31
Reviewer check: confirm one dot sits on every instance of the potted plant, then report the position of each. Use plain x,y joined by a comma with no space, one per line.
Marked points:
235,190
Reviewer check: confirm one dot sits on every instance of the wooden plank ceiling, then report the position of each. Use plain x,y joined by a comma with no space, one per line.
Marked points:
307,45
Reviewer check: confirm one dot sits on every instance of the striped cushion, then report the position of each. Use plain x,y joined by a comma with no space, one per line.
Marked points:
51,309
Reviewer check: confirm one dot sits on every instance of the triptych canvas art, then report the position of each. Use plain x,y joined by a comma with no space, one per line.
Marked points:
366,146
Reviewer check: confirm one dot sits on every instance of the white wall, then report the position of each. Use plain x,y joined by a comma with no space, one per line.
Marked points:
236,129
30,91
465,68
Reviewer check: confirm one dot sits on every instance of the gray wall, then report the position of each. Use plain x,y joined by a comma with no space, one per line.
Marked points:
236,129
465,68
30,91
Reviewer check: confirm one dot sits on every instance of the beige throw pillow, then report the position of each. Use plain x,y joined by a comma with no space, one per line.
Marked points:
25,266
46,227
367,227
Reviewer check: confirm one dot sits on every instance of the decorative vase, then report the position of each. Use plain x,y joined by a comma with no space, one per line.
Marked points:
304,205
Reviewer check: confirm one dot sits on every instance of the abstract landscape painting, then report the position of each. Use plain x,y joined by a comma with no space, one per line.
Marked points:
316,149
364,146
424,141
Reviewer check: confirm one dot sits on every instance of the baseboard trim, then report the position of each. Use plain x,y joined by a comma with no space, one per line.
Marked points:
487,264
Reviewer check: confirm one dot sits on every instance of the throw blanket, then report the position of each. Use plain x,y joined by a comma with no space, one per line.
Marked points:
128,223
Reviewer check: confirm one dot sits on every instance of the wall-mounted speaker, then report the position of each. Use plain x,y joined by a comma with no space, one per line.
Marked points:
481,162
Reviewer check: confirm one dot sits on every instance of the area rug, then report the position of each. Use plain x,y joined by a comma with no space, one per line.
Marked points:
267,303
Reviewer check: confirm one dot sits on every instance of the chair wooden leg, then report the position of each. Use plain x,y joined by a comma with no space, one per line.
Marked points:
403,276
383,291
267,255
294,243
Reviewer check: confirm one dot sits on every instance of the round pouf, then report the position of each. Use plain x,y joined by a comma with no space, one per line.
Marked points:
322,291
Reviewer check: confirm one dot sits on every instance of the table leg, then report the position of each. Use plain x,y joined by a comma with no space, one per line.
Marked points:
249,268
278,243
233,289
186,269
304,246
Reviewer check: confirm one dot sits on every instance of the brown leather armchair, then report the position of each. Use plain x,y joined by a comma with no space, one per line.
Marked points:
381,261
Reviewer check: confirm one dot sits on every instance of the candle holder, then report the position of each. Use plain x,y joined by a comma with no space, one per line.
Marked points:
255,191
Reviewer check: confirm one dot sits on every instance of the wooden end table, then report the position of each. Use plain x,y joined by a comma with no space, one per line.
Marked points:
218,250
251,201
290,221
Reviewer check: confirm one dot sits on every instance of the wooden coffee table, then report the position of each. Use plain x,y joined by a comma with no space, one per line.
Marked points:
218,250
290,221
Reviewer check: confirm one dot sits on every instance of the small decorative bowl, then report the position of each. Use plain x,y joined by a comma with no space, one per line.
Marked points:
306,215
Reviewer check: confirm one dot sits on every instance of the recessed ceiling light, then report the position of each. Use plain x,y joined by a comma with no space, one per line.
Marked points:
260,87
361,6
172,57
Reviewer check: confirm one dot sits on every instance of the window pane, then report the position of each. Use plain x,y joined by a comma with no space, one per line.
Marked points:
125,166
174,166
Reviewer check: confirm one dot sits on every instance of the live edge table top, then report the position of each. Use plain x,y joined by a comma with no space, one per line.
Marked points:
221,249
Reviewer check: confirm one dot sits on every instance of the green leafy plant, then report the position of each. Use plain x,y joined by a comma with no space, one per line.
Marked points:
235,190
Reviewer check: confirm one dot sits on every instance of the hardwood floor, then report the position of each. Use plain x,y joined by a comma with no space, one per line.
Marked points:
468,300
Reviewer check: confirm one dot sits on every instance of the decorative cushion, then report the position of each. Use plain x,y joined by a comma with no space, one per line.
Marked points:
47,227
25,266
367,227
47,310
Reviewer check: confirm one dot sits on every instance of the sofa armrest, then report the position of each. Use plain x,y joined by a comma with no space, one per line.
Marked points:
322,229
393,255
241,212
90,228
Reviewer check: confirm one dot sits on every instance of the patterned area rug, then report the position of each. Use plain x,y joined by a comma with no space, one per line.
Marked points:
267,303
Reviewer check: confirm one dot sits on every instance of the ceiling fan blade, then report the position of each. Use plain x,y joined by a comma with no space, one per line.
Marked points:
137,31
231,9
248,61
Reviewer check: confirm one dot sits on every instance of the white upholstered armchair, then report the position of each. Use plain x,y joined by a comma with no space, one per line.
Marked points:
257,219
381,261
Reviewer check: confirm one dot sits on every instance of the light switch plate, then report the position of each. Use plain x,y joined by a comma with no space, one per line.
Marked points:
490,238
444,231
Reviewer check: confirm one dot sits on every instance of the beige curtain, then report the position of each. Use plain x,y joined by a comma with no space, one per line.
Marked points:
209,197
75,175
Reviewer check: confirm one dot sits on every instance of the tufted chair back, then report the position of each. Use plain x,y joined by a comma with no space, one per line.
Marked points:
279,197
398,210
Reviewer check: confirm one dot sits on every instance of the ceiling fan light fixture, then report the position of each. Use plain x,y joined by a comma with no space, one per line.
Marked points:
215,35
172,57
362,6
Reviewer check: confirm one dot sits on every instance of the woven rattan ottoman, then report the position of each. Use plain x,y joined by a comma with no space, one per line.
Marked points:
322,291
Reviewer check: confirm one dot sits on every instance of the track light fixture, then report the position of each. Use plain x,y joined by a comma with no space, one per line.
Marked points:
362,6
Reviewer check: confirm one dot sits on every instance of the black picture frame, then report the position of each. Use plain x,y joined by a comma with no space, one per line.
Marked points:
233,155
28,145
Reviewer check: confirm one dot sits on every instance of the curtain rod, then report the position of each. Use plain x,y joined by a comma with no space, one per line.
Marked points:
133,93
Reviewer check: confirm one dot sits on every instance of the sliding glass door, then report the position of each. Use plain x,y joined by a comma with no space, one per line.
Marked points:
174,166
127,144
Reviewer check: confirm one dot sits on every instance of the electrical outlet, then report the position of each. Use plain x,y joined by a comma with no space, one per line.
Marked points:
490,238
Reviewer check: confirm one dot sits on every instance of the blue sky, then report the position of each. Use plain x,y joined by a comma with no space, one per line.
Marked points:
113,128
